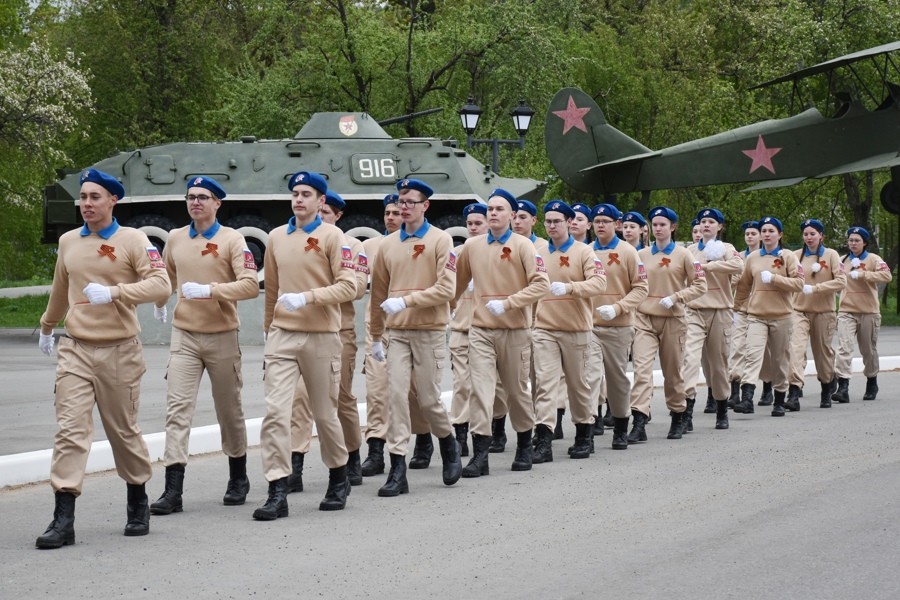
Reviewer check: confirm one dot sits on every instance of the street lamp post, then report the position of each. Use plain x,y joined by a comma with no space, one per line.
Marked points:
469,115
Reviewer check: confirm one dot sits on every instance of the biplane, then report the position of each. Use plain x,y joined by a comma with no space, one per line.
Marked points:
594,157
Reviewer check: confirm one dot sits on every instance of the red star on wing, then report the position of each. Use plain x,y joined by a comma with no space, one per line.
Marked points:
762,156
573,116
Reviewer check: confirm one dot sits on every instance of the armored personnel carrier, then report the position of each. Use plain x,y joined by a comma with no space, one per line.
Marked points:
360,161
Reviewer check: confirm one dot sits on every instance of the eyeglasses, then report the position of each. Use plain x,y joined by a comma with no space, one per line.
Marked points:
409,203
192,198
602,222
553,222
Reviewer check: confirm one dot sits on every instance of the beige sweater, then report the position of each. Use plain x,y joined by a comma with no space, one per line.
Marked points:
626,284
827,283
583,274
719,273
861,294
673,275
770,301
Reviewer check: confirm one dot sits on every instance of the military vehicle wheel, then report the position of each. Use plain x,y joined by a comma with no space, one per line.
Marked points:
155,226
362,227
455,225
256,232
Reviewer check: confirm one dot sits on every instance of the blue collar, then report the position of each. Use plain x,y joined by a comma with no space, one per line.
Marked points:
701,245
850,254
568,244
533,238
762,251
612,245
502,239
640,246
419,233
106,233
208,234
292,225
747,252
667,250
818,253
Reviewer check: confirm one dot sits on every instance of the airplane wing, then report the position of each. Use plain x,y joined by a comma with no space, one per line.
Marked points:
880,161
622,161
832,64
775,183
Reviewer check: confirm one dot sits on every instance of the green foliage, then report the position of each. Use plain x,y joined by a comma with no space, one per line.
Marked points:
25,311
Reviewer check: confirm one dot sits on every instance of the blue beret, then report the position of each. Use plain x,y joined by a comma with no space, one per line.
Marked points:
475,207
415,184
711,213
501,193
313,180
633,217
750,225
662,211
771,221
695,222
607,210
560,207
814,224
859,231
583,209
527,207
110,183
391,199
207,183
334,200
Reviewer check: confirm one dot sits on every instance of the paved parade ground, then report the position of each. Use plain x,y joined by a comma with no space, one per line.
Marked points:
805,506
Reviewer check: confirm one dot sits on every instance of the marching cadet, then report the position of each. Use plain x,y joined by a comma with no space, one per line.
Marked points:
770,277
696,232
460,321
815,315
634,230
102,273
562,334
213,269
308,276
509,278
859,316
613,323
348,413
709,317
674,279
580,226
413,281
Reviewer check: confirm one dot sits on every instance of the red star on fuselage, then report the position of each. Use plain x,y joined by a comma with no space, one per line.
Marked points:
762,156
573,116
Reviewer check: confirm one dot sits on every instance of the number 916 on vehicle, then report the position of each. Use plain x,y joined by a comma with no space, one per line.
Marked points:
373,168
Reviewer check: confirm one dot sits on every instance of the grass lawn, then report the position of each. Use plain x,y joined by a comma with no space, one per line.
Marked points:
5,283
22,312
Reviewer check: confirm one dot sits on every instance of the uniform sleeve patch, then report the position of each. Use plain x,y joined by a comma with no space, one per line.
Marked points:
842,267
883,266
800,271
156,261
642,272
346,253
451,262
348,265
699,273
362,263
540,263
249,261
598,267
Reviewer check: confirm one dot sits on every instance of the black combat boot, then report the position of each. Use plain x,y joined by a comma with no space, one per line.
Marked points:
677,427
452,465
721,414
524,452
827,391
710,402
766,398
779,405
735,396
745,406
638,422
354,468
608,420
396,483
620,434
276,505
543,451
137,510
295,479
61,531
462,437
170,501
238,484
871,388
842,395
421,457
338,490
374,463
793,399
688,418
598,425
558,431
478,464
498,435
582,447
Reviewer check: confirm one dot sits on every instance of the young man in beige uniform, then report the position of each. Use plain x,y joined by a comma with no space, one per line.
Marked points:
103,272
613,318
212,268
308,276
562,334
413,281
509,278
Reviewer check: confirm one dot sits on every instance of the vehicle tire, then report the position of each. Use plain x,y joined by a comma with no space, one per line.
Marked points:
455,225
362,227
156,227
256,233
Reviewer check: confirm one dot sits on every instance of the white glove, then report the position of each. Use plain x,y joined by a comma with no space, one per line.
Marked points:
160,314
471,286
558,288
292,302
715,250
393,305
766,276
452,314
855,274
378,351
607,312
46,344
192,291
666,302
816,267
855,262
496,307
98,294
807,289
